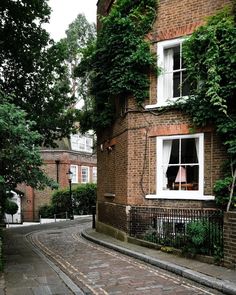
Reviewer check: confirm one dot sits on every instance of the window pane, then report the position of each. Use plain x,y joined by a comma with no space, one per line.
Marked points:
174,157
188,151
176,58
176,86
185,84
171,176
85,174
73,169
89,143
191,181
180,171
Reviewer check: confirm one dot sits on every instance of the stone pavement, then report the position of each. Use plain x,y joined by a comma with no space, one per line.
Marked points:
213,276
27,271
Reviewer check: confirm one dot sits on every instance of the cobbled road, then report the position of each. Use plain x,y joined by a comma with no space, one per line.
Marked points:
97,270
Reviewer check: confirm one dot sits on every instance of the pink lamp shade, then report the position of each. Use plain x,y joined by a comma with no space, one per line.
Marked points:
181,175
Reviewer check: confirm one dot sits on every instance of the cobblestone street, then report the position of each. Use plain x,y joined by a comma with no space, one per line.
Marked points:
97,270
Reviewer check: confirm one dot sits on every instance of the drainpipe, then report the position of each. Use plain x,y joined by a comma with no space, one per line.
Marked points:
57,169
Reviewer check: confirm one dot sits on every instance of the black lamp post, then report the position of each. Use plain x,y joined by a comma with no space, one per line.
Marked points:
69,174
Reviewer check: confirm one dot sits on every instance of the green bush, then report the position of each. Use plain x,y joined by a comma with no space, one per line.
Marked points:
46,211
222,191
83,198
204,237
60,202
197,234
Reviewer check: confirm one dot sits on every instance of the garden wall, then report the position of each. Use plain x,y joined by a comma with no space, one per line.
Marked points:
230,239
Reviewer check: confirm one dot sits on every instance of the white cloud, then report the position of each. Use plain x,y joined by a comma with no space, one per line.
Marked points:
65,11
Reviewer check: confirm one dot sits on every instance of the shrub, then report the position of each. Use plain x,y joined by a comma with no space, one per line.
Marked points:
204,237
46,211
83,198
61,201
222,191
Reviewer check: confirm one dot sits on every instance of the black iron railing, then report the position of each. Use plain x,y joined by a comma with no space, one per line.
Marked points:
194,230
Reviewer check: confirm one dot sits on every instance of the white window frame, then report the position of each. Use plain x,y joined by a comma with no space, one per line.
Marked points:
82,168
180,194
161,46
74,178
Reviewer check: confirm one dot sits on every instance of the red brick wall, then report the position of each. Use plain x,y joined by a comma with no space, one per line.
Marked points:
178,18
118,212
230,239
34,199
129,170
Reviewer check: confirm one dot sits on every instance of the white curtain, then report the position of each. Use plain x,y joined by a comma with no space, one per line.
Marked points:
168,75
167,145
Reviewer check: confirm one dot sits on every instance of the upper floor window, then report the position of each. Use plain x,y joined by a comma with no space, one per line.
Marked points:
172,82
81,143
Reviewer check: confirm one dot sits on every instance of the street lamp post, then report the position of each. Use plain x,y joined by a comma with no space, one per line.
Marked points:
69,174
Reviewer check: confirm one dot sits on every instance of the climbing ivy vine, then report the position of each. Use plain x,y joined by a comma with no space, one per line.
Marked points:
210,57
118,65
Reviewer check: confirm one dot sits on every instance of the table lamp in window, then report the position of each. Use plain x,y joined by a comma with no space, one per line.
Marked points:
181,176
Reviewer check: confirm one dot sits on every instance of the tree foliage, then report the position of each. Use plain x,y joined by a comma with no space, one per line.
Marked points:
79,35
210,57
119,63
32,70
20,160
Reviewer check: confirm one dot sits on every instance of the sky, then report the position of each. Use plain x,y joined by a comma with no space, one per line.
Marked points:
64,12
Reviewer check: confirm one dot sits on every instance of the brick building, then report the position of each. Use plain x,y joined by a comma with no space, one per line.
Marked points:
151,160
75,155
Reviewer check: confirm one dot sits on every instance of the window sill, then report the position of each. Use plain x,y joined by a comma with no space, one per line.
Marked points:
109,195
155,106
166,103
173,197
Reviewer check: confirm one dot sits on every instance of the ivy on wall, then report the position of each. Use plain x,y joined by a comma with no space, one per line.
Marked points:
119,64
210,57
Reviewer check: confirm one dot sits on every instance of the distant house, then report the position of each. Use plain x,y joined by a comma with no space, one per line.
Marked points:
154,161
75,154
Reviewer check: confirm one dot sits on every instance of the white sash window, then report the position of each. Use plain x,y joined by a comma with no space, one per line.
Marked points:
180,166
172,83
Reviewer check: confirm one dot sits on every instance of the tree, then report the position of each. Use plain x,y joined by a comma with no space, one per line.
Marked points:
32,71
11,208
79,36
20,159
210,57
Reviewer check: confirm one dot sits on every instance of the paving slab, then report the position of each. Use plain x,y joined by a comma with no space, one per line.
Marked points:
213,276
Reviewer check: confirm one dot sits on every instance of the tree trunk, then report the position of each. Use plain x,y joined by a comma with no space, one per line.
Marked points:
231,191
